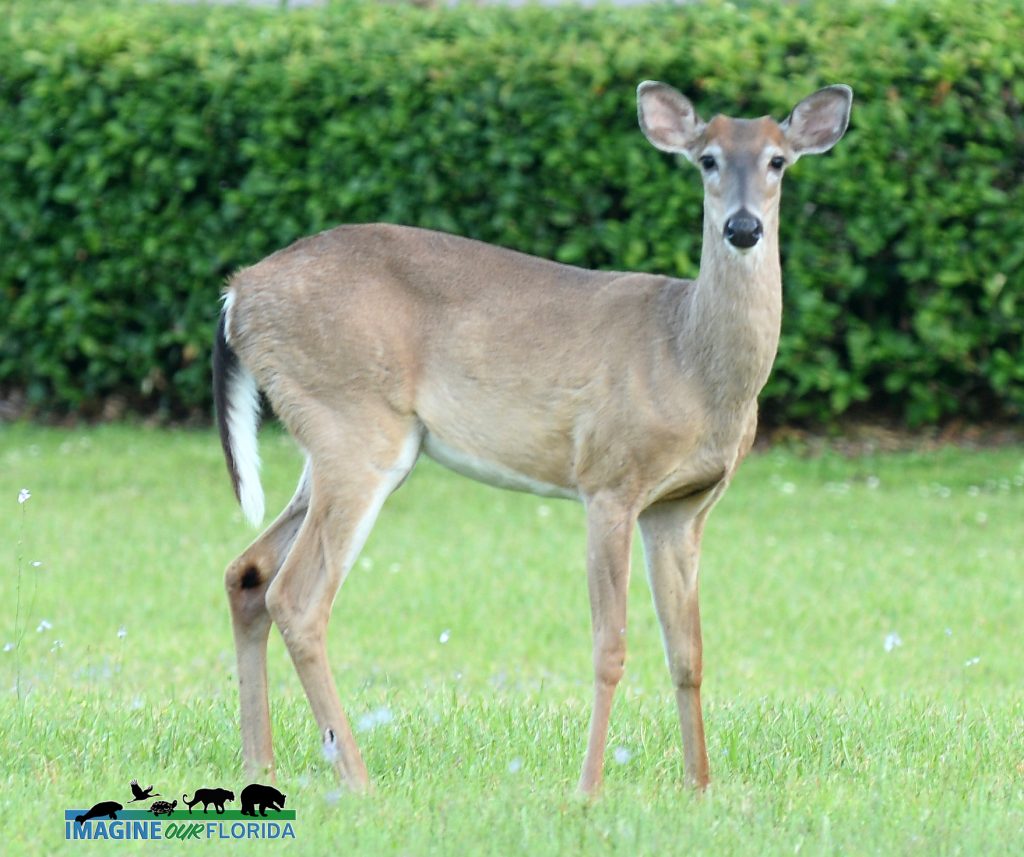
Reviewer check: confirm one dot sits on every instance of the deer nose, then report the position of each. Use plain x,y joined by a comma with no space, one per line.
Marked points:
743,230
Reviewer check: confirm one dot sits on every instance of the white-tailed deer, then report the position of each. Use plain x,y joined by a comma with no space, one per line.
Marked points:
633,393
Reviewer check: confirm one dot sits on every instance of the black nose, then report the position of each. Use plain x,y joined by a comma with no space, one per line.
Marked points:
743,230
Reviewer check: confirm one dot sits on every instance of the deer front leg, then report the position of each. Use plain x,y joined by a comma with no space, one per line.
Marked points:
246,581
609,539
671,534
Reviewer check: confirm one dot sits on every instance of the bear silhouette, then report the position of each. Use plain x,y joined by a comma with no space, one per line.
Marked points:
256,795
218,797
108,808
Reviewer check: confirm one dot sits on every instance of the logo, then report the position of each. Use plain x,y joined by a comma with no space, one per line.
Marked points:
163,819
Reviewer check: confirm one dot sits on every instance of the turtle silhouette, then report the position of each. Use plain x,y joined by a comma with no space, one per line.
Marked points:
140,793
108,808
162,807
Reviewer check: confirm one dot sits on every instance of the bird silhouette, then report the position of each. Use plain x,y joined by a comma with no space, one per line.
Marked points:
140,794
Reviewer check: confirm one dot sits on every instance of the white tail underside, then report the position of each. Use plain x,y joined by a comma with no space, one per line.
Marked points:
243,423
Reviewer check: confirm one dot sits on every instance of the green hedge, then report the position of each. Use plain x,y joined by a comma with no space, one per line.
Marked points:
147,150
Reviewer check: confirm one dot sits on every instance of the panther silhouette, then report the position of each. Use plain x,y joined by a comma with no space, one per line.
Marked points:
218,797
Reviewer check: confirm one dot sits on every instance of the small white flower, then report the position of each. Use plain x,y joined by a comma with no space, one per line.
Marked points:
970,662
122,632
44,625
35,563
622,755
8,647
23,496
515,766
892,640
57,644
446,635
372,719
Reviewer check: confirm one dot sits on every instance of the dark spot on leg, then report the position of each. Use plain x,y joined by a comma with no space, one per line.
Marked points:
250,578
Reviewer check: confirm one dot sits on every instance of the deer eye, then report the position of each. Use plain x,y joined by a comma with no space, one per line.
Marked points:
708,162
777,163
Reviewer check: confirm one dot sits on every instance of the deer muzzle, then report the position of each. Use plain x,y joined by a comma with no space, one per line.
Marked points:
743,230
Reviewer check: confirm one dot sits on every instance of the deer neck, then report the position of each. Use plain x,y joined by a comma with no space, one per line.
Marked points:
731,329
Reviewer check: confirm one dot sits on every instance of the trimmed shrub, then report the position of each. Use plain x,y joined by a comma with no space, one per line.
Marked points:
147,150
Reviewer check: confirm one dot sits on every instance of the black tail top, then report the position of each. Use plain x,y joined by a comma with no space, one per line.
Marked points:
225,365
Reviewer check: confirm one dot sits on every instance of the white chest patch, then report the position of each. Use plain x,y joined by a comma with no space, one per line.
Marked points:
488,472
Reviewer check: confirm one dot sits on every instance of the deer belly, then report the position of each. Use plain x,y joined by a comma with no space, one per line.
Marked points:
489,472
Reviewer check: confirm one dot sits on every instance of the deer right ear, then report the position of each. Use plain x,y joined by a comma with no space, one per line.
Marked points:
667,118
817,122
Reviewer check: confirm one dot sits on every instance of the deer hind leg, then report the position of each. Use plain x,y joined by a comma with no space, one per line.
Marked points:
609,538
246,582
671,534
349,486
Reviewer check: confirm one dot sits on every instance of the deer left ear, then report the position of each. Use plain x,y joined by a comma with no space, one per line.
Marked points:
667,118
819,121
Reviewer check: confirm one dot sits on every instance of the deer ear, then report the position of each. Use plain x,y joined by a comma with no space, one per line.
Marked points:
819,121
667,117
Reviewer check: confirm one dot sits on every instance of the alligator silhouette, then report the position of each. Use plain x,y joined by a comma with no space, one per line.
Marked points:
108,808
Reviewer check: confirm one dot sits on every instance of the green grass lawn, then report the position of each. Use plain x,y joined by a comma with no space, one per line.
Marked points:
864,659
